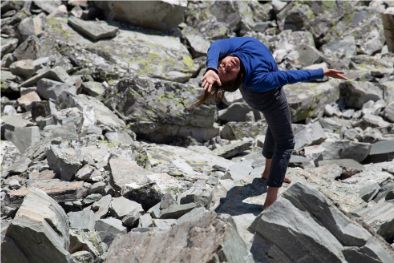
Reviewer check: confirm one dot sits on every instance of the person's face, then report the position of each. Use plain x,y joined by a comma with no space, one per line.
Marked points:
229,68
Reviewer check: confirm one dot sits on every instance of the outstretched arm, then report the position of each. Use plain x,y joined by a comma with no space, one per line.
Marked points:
276,79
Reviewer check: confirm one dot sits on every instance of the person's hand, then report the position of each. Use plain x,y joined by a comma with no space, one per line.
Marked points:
333,73
209,79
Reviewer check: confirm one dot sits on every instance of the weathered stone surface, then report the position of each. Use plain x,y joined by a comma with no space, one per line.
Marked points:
343,149
57,73
310,134
32,26
327,215
24,68
162,115
126,173
197,42
59,190
189,241
200,193
381,151
356,93
122,207
50,89
64,161
307,100
8,45
239,130
342,48
388,22
101,207
98,113
168,14
109,228
233,149
94,30
175,211
28,99
93,88
24,137
82,220
235,112
39,218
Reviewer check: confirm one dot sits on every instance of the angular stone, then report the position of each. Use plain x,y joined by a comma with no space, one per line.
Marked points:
57,73
208,238
94,30
240,130
48,7
93,88
101,207
82,220
369,191
24,137
375,121
197,42
50,89
307,100
64,161
164,224
199,193
28,99
145,221
389,112
168,14
388,22
326,214
349,166
20,166
119,137
59,190
122,207
381,151
342,48
82,257
294,230
344,149
235,112
176,211
23,68
238,171
39,218
126,173
32,26
356,93
233,149
109,228
101,115
8,45
42,108
310,134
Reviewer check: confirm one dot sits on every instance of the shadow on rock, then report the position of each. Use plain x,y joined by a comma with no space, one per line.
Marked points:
233,203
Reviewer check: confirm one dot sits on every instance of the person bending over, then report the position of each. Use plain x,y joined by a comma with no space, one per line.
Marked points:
247,64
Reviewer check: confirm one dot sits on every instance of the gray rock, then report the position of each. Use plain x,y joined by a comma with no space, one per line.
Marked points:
293,230
82,257
343,48
101,207
10,123
167,14
240,130
57,73
109,228
369,191
84,172
48,7
190,241
119,137
197,42
356,93
64,161
389,112
24,137
39,218
32,26
235,112
371,252
122,207
145,221
126,173
349,166
310,134
238,171
51,90
9,110
28,49
61,191
42,108
388,22
233,149
344,149
91,198
194,215
93,88
327,215
8,45
175,211
164,224
381,151
163,114
82,220
307,100
19,166
98,187
375,121
199,193
26,100
95,112
23,68
94,30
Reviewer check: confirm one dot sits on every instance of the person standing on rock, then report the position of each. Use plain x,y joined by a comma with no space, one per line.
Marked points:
247,64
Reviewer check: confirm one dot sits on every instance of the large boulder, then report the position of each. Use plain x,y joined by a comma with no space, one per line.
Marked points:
157,110
38,233
356,93
136,52
167,14
205,238
307,100
388,24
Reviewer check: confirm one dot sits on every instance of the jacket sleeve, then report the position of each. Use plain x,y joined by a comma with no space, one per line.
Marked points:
218,50
274,79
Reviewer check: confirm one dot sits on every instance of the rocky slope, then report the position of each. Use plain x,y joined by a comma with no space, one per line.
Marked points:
101,161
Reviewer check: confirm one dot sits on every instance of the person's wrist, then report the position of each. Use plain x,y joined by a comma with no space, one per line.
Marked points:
213,69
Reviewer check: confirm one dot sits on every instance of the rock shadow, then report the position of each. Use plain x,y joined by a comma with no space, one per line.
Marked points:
233,203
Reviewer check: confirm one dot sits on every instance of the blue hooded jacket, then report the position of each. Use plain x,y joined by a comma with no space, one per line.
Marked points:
260,68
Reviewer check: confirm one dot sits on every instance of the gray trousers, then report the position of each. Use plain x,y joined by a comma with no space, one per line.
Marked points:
279,140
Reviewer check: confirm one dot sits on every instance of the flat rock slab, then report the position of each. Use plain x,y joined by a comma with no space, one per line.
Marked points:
38,233
59,190
127,174
94,30
199,240
233,149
